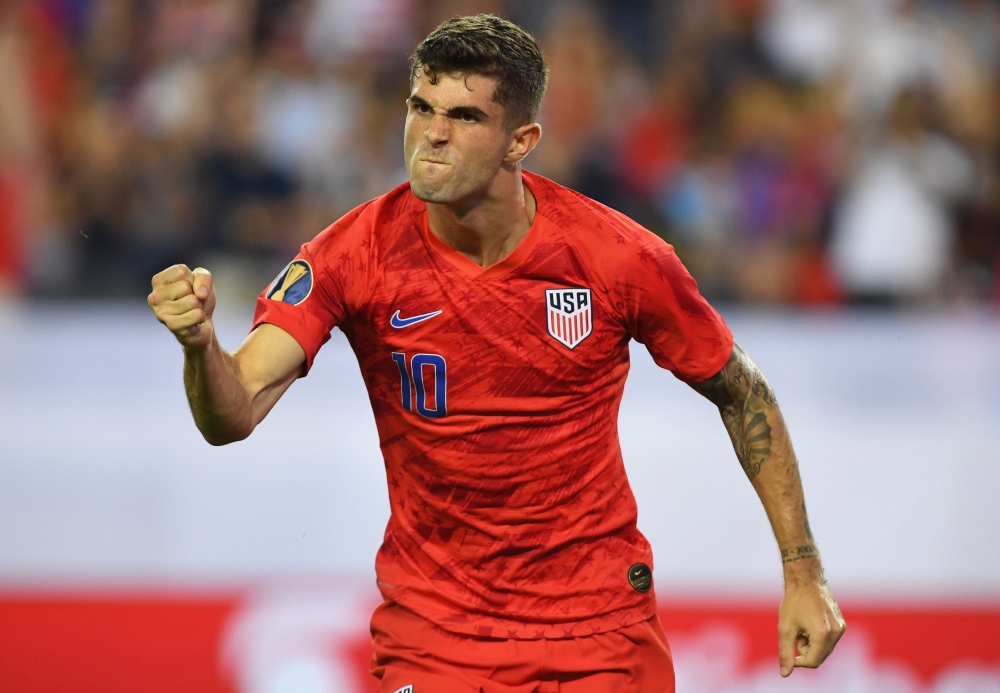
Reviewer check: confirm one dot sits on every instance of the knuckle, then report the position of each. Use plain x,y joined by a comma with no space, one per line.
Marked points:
173,272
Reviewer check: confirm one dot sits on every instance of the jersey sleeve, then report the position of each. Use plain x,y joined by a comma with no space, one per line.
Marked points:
665,312
320,288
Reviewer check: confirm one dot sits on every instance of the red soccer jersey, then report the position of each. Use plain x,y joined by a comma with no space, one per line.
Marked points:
496,395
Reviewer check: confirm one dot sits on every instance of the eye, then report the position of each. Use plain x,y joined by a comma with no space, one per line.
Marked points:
469,118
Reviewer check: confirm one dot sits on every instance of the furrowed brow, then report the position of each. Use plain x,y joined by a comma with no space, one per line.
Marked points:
460,111
456,112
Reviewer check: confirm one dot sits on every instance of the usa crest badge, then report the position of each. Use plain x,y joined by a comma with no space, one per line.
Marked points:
569,315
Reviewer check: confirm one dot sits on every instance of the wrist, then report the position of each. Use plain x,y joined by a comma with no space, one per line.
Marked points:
198,339
801,564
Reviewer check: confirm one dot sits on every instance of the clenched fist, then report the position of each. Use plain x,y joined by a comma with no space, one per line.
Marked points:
184,301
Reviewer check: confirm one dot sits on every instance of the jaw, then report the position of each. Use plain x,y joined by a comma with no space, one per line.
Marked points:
439,183
432,188
456,183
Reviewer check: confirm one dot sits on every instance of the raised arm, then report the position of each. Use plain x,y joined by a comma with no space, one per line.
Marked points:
809,619
229,394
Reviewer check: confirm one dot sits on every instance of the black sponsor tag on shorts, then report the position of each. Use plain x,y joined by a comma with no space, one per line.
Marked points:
640,577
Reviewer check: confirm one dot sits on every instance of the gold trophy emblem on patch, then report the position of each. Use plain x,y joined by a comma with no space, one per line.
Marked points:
293,285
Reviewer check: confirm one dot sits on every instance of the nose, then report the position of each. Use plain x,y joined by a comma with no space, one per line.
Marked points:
439,130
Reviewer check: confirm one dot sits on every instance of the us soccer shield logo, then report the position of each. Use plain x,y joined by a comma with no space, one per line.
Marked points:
569,315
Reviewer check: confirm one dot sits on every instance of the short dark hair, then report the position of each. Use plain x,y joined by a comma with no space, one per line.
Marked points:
487,45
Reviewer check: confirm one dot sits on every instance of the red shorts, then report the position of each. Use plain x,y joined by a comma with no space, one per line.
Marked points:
410,651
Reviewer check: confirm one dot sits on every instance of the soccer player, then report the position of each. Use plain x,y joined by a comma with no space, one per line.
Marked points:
491,311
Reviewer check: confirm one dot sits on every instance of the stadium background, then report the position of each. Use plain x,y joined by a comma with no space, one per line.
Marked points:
828,169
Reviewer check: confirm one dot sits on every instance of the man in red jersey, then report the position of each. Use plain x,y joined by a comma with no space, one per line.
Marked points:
491,311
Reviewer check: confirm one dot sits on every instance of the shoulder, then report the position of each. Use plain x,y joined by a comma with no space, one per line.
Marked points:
347,254
607,236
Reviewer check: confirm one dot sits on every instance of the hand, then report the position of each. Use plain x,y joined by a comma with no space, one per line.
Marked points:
810,620
184,301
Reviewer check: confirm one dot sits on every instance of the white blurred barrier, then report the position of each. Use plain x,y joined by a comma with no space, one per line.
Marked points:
104,479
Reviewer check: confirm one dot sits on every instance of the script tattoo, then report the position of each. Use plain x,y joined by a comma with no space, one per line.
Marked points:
798,553
744,397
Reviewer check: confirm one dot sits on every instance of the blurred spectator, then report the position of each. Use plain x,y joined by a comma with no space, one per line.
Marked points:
795,151
893,235
34,84
339,31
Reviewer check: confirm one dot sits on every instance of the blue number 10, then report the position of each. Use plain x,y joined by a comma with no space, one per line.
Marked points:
440,379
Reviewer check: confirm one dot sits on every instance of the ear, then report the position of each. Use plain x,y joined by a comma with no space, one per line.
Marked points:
522,141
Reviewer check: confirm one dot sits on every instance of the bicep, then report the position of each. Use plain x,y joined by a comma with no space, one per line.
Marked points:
267,363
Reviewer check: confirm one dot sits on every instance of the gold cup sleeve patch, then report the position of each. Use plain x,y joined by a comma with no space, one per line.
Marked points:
293,285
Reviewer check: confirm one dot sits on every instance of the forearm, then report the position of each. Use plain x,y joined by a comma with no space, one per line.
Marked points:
757,429
219,402
779,488
229,394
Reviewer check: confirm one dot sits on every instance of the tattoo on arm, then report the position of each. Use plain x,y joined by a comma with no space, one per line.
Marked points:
744,398
750,412
798,553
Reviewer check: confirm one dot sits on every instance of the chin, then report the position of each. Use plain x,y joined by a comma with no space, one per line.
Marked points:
430,193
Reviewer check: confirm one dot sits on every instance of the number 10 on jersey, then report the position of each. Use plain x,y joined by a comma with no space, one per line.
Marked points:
429,380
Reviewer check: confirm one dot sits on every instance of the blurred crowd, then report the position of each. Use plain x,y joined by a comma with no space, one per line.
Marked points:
800,152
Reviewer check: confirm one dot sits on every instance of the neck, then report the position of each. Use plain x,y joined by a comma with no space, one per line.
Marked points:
487,227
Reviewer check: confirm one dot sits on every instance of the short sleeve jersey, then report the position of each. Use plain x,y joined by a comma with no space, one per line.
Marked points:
496,395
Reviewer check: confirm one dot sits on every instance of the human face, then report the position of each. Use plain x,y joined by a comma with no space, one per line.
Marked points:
455,140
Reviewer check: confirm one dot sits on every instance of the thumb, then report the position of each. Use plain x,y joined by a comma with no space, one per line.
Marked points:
786,652
201,282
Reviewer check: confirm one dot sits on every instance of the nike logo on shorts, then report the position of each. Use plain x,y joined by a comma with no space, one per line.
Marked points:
399,322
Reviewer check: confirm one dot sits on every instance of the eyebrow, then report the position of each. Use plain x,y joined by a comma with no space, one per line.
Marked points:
457,111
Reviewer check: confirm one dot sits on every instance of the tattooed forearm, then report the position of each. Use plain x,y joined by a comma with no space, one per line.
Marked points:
753,420
744,397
